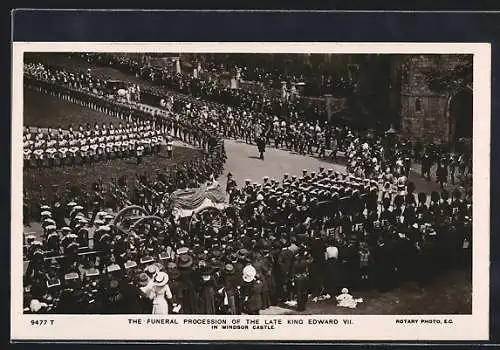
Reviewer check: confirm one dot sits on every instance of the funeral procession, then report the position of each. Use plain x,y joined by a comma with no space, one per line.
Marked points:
247,183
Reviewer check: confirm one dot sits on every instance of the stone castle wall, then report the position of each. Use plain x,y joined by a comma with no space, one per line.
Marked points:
425,113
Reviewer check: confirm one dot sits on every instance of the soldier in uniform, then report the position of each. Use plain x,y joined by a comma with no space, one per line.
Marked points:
231,184
261,145
139,151
169,148
442,173
426,165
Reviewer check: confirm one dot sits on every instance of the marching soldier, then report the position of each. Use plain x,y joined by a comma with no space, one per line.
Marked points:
147,143
39,157
155,145
125,146
84,150
110,146
139,151
170,148
117,145
63,148
27,156
73,150
93,147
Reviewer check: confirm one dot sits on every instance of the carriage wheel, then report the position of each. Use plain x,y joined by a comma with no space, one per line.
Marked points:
129,216
152,221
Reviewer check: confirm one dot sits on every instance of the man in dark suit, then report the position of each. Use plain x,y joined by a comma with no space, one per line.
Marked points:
300,275
261,145
231,183
426,165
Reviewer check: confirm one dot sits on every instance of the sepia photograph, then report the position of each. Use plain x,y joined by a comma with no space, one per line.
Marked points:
186,183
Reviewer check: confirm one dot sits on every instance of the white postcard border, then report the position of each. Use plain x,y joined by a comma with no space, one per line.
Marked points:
361,327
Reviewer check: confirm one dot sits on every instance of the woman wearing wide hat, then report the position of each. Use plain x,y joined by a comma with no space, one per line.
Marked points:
251,291
207,292
331,275
229,291
161,294
187,288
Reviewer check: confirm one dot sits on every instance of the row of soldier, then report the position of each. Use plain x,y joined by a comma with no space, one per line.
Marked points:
146,119
89,145
365,154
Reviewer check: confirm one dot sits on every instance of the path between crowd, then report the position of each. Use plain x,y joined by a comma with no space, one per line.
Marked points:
244,163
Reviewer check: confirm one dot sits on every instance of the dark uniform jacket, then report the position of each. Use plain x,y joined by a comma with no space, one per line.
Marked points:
252,296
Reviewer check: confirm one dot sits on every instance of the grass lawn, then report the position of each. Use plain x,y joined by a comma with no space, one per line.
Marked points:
48,111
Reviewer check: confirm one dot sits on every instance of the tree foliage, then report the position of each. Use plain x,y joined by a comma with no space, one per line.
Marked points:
450,80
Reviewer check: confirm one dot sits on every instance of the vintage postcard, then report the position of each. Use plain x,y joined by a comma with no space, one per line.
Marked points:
250,191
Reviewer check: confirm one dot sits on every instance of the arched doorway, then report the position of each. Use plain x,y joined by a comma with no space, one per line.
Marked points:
461,116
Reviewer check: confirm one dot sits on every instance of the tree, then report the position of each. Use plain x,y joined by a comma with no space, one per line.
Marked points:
450,80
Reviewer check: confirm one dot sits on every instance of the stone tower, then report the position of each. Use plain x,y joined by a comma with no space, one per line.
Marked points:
426,114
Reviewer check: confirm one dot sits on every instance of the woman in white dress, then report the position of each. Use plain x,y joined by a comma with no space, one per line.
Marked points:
161,293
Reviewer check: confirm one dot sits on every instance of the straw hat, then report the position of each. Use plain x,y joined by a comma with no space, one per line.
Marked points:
160,279
249,273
